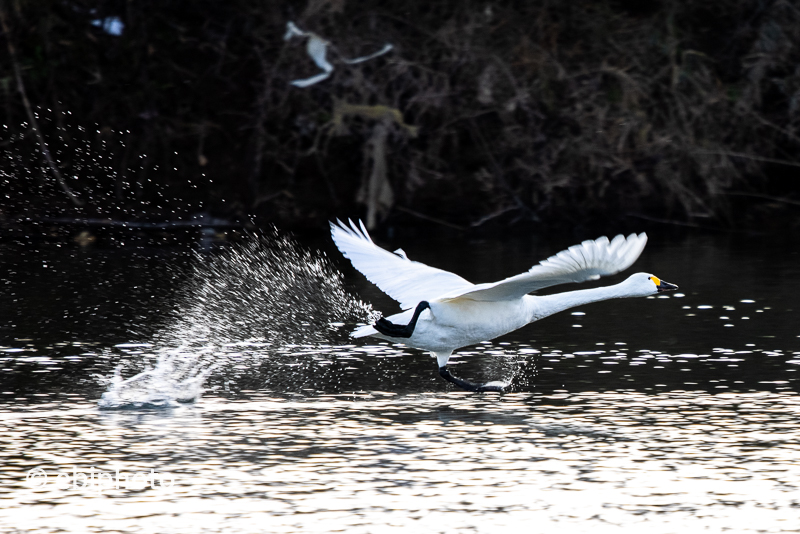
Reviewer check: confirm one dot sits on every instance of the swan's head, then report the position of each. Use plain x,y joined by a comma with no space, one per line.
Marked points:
644,284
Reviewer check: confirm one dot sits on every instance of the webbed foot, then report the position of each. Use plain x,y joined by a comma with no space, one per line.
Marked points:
470,386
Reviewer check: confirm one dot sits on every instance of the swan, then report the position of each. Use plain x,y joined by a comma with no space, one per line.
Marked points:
444,312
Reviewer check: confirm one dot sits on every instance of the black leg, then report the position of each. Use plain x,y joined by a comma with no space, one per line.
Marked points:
469,386
388,328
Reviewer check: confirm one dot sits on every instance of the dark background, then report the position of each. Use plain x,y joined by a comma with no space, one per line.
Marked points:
560,114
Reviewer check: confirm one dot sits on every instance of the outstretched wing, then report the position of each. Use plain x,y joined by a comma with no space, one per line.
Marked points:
588,261
406,281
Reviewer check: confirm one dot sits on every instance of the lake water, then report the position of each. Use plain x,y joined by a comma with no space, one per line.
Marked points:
666,414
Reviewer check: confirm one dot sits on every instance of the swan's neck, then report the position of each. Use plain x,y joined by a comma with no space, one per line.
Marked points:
550,304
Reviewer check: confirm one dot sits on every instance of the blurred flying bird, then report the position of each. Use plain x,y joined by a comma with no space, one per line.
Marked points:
317,49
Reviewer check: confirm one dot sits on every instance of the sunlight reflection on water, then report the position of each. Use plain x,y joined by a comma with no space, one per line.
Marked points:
589,461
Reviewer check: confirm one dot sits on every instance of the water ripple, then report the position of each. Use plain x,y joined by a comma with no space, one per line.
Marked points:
578,461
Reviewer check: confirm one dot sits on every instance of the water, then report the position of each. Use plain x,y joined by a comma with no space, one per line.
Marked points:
662,414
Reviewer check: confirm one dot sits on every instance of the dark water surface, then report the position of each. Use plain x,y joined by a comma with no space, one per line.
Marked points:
665,414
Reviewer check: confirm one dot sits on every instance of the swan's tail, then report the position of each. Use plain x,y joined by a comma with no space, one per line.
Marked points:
364,331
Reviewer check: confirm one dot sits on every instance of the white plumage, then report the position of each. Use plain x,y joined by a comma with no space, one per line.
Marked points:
461,313
408,282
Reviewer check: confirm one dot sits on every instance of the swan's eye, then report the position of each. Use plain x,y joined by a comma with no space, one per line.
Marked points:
655,280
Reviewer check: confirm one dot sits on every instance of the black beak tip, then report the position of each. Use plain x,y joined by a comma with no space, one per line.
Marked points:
666,286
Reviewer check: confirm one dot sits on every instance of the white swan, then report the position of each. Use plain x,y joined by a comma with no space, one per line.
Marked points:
444,312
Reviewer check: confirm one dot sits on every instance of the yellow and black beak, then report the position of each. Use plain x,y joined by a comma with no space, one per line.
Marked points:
662,285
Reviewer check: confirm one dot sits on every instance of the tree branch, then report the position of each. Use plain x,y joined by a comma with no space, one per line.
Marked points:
31,117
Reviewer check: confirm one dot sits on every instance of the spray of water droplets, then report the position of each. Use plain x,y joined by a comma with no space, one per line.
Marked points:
113,173
256,300
268,290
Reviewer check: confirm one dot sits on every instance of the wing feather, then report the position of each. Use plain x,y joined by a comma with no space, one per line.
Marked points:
588,261
406,281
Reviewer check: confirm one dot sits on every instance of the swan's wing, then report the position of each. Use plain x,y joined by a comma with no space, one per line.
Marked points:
406,281
588,261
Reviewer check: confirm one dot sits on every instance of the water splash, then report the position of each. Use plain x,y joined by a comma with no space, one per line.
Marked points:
176,378
267,289
258,299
